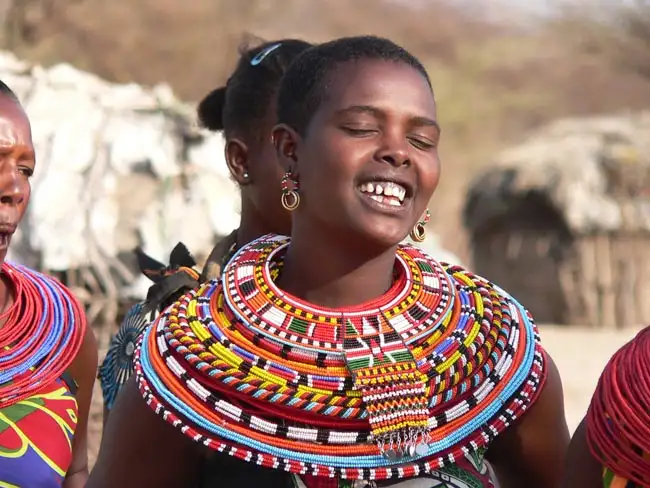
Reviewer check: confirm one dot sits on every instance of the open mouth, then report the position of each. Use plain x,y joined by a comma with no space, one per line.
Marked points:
6,231
385,192
5,238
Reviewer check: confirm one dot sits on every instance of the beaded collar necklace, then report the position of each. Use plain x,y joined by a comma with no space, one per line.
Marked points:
42,333
403,384
371,339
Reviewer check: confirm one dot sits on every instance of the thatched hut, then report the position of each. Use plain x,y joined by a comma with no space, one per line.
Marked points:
563,221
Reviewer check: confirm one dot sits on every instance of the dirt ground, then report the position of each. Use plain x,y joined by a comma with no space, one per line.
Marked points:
579,353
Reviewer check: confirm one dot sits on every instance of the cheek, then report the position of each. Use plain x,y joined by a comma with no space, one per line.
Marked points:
28,193
22,208
333,164
430,176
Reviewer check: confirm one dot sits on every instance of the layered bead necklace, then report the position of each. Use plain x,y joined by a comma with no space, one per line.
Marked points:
618,419
392,388
42,333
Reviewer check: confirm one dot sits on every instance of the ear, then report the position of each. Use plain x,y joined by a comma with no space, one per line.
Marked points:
236,153
286,140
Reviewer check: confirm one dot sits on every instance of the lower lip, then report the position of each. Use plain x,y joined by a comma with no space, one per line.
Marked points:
382,206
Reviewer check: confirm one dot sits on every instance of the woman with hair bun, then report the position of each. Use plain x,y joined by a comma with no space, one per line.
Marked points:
244,110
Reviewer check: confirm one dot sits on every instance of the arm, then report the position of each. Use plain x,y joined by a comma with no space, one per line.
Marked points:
530,453
83,369
140,449
581,470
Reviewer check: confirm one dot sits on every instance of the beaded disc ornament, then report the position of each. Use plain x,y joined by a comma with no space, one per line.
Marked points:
399,386
117,367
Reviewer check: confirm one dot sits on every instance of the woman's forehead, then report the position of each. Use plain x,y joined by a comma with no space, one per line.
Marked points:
385,85
14,124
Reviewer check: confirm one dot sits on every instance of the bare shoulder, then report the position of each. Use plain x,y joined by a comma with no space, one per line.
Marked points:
135,441
84,365
532,450
83,370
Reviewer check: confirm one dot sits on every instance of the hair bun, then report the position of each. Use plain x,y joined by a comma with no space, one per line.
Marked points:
210,109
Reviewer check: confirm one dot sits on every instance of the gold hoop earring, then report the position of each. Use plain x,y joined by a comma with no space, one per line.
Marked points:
290,197
418,234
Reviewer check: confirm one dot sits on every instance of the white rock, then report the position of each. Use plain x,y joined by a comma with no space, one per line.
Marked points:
110,173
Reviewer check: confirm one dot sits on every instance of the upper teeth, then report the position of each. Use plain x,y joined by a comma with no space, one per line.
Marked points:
387,188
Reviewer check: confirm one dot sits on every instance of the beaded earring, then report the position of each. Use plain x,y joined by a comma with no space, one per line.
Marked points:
290,198
418,234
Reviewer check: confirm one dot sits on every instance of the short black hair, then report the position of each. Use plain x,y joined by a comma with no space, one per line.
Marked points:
301,91
5,90
246,98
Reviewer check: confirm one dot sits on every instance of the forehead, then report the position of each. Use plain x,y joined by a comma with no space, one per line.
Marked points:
14,124
388,85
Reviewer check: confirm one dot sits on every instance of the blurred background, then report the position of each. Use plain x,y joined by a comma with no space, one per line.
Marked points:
545,146
500,68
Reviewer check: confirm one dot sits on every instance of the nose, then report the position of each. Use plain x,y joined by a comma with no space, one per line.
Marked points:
394,151
12,191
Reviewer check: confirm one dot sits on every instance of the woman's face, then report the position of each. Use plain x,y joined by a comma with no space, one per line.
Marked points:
368,163
17,162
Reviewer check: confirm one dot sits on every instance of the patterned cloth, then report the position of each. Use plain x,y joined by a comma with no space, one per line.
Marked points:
36,438
610,480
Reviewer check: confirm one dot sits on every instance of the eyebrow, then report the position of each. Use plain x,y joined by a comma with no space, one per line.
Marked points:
25,151
375,112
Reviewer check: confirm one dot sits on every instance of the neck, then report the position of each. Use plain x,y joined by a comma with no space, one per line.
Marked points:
332,272
251,225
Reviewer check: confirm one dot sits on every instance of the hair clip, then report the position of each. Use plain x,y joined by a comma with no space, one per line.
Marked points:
265,52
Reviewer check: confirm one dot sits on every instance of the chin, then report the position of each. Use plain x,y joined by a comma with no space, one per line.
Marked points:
382,239
370,233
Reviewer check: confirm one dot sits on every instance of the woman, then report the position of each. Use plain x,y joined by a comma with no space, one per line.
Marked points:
343,358
48,355
611,446
244,110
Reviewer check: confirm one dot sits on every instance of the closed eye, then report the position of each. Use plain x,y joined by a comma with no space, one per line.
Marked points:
359,131
421,143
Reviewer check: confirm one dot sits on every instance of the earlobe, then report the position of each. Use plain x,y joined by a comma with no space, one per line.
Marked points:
236,153
285,140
